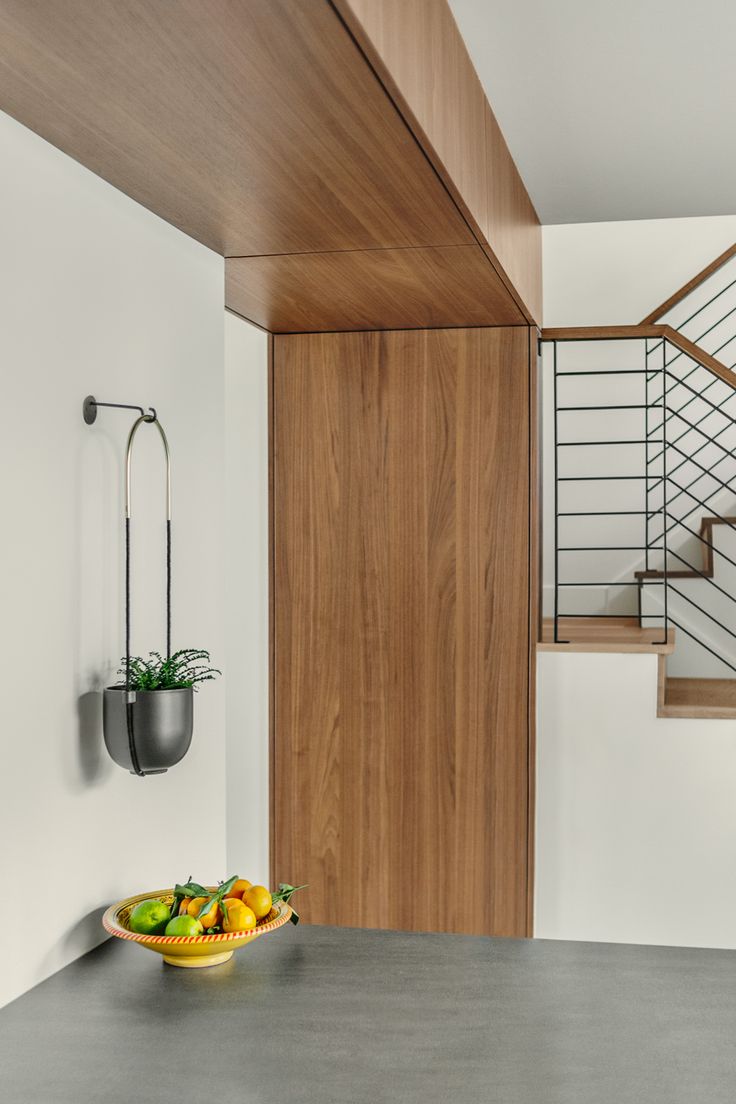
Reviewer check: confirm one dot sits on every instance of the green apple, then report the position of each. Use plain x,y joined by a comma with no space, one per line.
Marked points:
149,917
184,925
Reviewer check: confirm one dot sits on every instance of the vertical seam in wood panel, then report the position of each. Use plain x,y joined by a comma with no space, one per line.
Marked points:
271,619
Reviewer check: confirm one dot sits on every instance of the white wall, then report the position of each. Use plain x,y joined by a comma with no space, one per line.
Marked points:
636,818
246,611
612,273
636,821
98,295
616,273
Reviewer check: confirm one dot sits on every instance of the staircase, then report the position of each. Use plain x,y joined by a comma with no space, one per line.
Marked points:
645,491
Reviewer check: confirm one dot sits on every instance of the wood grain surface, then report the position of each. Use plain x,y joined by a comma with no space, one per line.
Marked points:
512,231
401,627
622,333
256,127
696,697
604,634
369,290
422,56
600,333
419,54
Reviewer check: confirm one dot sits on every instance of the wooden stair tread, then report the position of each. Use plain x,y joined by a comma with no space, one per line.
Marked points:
652,574
604,634
706,531
699,697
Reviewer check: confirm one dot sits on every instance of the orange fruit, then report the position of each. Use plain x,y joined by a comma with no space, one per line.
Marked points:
210,919
238,917
259,899
184,906
238,889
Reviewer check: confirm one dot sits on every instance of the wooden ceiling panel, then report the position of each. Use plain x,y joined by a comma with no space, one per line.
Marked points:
417,50
373,289
256,127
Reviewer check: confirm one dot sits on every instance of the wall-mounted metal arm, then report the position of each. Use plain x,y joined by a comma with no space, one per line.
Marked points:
90,405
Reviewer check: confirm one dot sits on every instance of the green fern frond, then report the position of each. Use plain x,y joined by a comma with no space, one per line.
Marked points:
179,671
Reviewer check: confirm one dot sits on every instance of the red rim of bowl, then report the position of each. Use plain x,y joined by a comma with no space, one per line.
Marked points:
111,925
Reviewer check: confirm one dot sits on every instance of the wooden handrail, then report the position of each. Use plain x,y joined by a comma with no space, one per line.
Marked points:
667,333
685,290
599,333
696,353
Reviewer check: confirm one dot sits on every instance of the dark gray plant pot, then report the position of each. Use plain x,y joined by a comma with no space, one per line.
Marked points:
161,723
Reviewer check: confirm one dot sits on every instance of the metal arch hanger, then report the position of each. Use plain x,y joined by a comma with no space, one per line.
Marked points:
89,412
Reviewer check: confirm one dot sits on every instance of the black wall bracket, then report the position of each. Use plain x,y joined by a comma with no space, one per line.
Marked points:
90,406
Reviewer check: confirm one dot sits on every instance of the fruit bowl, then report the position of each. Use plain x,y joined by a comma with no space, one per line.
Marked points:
188,950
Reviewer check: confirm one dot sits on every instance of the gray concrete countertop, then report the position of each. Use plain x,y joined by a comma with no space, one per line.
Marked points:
314,1015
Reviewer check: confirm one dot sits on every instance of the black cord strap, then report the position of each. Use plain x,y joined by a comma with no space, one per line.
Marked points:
168,588
129,694
134,761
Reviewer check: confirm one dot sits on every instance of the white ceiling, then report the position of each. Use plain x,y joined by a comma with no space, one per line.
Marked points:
612,109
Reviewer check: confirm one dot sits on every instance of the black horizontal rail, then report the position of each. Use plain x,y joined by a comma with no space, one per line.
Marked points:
679,523
698,536
700,609
609,371
600,478
696,367
729,422
609,513
715,407
590,444
705,506
625,406
697,452
611,616
699,395
686,490
693,428
695,314
657,440
625,583
702,644
705,471
697,571
697,340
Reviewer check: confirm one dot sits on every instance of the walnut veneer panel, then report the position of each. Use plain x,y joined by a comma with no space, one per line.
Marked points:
255,127
420,55
369,290
512,229
423,52
401,627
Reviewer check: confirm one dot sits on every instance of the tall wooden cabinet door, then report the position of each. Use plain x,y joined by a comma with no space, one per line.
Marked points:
400,634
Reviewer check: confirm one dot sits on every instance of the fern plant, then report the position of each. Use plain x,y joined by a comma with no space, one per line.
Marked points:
186,668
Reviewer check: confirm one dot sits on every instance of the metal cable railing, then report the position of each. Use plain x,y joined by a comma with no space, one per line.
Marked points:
707,317
615,442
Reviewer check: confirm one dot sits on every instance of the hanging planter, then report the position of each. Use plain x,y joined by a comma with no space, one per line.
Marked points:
148,719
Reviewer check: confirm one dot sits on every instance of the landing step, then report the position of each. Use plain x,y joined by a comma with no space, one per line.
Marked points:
698,697
604,634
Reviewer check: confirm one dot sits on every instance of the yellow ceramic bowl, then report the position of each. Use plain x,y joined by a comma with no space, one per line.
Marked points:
188,950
